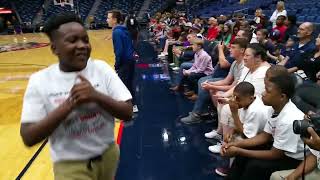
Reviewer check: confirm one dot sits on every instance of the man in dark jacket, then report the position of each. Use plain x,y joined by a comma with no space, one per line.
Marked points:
123,51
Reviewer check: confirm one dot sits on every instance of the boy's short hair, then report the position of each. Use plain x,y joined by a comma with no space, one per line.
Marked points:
117,15
244,89
265,32
56,21
285,84
241,42
198,42
277,70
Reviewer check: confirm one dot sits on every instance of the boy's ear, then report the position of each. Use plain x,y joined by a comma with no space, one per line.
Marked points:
54,48
283,96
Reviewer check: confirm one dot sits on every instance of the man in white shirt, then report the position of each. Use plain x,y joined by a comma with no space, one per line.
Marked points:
73,103
287,147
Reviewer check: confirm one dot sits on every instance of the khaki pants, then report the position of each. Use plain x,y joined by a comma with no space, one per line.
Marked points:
279,175
103,169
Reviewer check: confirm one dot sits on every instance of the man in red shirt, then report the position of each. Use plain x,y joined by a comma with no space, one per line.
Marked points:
280,27
213,30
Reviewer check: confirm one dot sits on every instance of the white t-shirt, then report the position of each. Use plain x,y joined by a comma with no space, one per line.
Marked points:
256,78
281,129
254,118
317,154
88,130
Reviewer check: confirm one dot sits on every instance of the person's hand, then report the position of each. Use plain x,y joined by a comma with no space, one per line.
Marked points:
222,100
233,105
206,85
185,72
291,176
83,92
227,137
177,51
226,146
220,97
314,141
230,151
221,46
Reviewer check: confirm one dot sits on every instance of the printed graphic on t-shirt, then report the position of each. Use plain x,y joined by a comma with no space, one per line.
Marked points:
82,121
83,124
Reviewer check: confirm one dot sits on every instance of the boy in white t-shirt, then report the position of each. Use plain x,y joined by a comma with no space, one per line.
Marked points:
287,147
249,116
73,103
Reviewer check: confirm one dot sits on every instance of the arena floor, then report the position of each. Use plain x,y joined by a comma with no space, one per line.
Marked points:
15,68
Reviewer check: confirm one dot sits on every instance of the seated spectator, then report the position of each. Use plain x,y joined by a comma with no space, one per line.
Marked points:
237,52
249,115
221,70
257,16
305,45
235,30
255,61
282,54
262,37
180,53
226,34
213,30
291,23
309,64
182,40
255,162
202,66
161,34
280,11
255,72
280,27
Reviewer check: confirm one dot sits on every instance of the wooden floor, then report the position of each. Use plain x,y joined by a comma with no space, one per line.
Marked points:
15,68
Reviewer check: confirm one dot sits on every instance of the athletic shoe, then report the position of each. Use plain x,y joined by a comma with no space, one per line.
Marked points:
222,171
213,135
191,119
175,68
215,148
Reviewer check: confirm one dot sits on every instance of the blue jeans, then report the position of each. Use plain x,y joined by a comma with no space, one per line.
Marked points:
203,100
162,42
185,65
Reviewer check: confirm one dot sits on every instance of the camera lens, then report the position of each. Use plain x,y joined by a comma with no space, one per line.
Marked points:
301,127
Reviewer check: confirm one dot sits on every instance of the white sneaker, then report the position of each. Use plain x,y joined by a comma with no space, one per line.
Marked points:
135,109
212,134
176,68
215,149
164,53
172,64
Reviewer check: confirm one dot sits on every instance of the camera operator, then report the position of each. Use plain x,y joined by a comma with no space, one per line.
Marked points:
311,165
